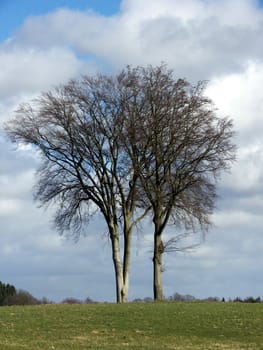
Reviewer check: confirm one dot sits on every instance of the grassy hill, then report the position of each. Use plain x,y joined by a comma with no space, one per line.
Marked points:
203,326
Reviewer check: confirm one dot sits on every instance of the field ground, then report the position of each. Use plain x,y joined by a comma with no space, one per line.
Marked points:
151,326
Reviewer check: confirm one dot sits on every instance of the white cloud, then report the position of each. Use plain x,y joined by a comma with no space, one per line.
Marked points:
197,38
17,184
237,13
239,95
248,14
9,207
30,70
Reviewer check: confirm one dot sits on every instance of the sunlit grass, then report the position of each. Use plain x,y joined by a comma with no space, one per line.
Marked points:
133,326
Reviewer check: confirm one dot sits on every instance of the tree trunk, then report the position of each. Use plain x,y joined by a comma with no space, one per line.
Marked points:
118,269
122,270
157,268
157,255
126,260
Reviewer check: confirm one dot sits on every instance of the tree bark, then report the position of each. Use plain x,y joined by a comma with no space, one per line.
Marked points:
118,269
157,256
121,268
157,268
126,264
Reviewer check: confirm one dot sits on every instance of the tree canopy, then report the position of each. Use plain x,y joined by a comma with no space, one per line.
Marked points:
178,146
84,169
141,142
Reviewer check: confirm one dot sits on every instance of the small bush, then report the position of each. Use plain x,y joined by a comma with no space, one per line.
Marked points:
21,297
252,300
88,300
71,301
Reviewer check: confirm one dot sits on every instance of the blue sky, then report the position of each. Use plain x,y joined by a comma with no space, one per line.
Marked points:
14,12
45,43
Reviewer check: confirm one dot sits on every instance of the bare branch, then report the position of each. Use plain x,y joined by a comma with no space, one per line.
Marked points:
174,244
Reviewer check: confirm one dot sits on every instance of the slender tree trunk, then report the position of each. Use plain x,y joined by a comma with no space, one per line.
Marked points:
117,268
121,265
157,268
157,256
117,263
126,259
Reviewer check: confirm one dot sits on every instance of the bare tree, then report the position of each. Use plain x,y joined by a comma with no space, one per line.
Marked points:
178,147
76,130
126,145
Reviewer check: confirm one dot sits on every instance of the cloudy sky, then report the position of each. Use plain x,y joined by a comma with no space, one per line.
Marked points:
45,43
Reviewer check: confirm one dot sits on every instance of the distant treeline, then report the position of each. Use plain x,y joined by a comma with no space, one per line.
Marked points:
10,296
191,298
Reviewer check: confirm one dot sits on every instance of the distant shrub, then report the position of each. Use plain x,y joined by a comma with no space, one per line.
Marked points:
71,301
252,300
212,299
88,300
45,300
248,300
144,300
21,297
238,300
181,297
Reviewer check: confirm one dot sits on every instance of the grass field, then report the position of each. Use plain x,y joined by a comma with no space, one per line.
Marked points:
235,326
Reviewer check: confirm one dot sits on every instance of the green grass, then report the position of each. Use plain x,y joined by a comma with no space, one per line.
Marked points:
133,326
